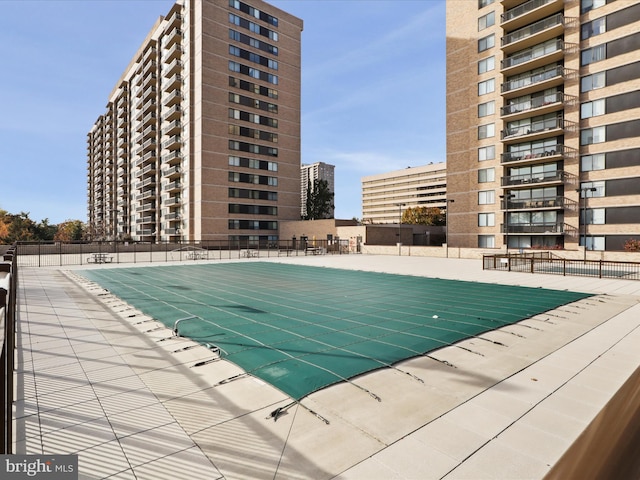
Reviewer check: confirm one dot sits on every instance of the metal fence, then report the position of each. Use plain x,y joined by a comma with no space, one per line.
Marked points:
543,262
8,296
51,254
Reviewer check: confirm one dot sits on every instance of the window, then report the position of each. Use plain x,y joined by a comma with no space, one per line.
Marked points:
486,65
488,108
593,162
594,243
595,216
486,241
486,43
486,219
592,109
486,175
594,54
486,153
487,86
593,135
486,131
486,197
593,82
486,20
593,28
586,5
598,192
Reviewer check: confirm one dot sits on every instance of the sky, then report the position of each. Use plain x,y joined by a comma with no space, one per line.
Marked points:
373,91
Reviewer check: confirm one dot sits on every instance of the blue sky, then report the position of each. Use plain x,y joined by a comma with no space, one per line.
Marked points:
373,90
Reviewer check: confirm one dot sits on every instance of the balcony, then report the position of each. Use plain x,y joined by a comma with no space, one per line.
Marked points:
149,92
172,172
149,80
149,52
534,57
173,158
173,143
173,68
172,216
174,20
172,231
149,104
145,232
532,179
549,127
530,35
149,169
173,98
173,113
149,118
528,12
173,83
539,228
540,105
173,36
149,67
149,144
173,127
534,155
541,203
173,201
550,77
173,186
147,207
173,53
146,220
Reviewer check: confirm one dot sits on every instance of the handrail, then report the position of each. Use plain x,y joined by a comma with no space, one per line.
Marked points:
8,297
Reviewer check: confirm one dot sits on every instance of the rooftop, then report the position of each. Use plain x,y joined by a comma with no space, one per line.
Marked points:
101,379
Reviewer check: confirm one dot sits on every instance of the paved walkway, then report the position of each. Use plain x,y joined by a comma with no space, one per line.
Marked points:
101,380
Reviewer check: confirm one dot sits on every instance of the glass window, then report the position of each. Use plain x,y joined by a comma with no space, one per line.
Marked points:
594,243
598,192
594,54
486,131
486,64
593,82
486,197
486,219
486,20
593,135
593,162
486,241
592,109
486,43
488,108
593,28
486,175
487,86
486,153
595,216
586,5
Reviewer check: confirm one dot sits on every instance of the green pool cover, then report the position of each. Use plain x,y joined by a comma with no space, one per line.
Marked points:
303,328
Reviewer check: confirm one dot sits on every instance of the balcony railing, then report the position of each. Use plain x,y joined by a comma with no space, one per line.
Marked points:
534,28
538,203
536,153
523,9
548,74
534,103
531,53
553,228
535,127
529,178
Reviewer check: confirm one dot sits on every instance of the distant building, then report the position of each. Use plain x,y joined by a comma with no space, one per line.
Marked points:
386,195
311,172
200,139
543,129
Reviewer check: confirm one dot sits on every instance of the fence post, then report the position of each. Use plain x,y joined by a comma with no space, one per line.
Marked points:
600,269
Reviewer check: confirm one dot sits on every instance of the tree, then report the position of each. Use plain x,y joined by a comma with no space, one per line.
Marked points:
319,200
69,231
423,216
18,228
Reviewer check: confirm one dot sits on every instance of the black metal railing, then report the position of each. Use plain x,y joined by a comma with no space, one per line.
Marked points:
8,297
51,254
552,265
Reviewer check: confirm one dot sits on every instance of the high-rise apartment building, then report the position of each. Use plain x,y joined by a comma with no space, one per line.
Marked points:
201,135
311,172
386,195
543,123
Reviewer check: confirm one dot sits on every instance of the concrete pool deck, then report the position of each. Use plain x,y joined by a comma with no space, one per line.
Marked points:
101,380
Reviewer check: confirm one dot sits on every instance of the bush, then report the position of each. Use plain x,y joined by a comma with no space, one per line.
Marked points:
632,245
